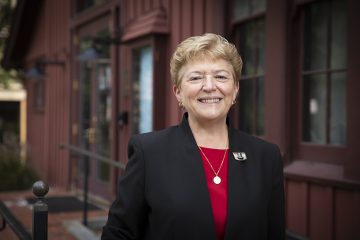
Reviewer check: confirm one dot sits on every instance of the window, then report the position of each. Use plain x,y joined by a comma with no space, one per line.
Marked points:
243,9
103,116
142,87
324,73
250,40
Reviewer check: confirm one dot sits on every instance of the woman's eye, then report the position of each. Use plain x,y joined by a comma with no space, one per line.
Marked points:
221,77
196,78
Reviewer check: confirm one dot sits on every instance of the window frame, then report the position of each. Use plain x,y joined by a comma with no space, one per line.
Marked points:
157,42
302,150
328,71
136,94
235,24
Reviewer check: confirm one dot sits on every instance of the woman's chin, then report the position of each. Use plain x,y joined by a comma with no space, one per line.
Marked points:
210,116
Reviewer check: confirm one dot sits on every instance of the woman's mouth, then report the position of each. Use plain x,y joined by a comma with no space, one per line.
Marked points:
209,100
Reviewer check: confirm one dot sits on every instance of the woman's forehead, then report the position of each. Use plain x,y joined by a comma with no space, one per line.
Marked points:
207,65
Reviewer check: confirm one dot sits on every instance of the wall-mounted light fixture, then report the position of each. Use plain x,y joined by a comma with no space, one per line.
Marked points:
90,53
95,51
37,71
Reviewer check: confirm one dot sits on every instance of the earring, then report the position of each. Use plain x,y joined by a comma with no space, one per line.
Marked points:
233,102
181,105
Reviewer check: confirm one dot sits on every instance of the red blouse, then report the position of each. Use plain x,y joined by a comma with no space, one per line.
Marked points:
218,192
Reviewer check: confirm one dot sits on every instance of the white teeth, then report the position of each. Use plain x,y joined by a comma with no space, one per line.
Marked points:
212,100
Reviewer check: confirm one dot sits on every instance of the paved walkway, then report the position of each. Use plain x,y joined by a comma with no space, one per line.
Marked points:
58,223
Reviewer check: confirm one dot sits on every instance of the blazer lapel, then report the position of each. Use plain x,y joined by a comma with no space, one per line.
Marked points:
192,159
236,182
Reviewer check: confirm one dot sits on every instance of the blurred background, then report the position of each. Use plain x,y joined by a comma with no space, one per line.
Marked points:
78,78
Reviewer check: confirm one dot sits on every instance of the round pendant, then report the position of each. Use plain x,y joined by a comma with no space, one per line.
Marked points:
217,180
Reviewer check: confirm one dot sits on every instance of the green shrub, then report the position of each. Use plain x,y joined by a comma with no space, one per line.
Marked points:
15,175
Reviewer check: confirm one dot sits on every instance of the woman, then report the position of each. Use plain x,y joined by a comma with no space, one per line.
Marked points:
201,179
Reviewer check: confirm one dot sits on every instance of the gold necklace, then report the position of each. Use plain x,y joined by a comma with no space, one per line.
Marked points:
216,179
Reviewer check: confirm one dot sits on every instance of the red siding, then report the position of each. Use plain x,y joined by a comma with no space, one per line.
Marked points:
50,127
347,214
296,199
36,119
58,92
322,212
198,16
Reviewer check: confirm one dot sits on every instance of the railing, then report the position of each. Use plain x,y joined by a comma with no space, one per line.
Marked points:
40,216
9,219
92,156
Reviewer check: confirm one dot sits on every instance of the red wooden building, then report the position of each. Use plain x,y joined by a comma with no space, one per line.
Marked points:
96,72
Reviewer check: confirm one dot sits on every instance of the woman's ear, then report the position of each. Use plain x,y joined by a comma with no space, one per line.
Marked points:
176,91
236,92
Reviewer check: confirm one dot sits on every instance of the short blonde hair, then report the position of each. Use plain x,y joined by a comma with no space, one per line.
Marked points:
210,46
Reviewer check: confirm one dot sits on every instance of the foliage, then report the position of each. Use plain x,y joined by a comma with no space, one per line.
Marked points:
14,173
6,11
6,77
5,19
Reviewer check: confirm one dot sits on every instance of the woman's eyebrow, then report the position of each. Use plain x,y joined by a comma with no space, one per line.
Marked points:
221,70
212,72
195,72
199,72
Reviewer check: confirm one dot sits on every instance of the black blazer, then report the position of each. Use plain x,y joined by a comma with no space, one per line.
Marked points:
163,193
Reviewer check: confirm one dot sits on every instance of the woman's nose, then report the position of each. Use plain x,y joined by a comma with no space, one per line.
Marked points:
208,83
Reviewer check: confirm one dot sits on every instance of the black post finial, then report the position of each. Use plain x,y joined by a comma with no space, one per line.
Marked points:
40,189
40,211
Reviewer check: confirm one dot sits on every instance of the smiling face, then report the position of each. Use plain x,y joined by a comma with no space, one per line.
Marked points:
207,89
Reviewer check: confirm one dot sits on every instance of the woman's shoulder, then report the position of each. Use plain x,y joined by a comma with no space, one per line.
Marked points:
257,148
155,137
254,141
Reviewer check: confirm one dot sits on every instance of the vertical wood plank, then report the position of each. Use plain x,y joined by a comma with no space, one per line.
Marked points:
166,5
147,5
347,214
209,16
217,16
130,4
139,8
198,16
297,207
186,18
176,36
321,212
124,14
176,23
158,3
51,98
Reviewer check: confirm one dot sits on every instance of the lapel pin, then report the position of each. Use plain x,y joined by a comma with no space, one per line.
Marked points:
240,156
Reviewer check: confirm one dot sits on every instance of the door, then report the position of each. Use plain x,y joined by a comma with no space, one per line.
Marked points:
94,105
